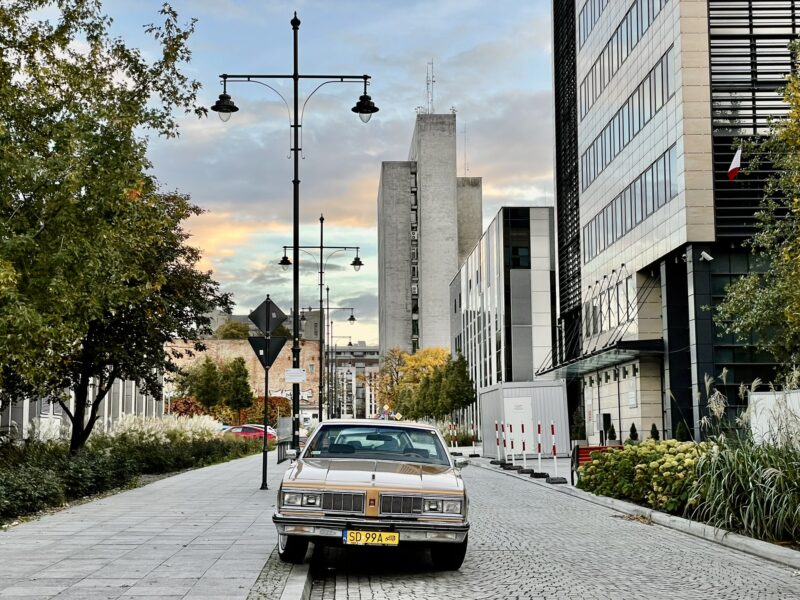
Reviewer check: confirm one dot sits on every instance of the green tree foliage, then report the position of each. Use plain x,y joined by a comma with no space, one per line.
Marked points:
232,330
611,434
432,386
633,435
235,383
764,307
654,435
204,383
95,273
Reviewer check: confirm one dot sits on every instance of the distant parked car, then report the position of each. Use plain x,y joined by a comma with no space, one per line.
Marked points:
256,431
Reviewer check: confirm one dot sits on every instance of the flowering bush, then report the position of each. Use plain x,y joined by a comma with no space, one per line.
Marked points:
167,429
658,474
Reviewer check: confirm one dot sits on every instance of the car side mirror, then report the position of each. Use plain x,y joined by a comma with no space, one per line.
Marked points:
461,463
292,453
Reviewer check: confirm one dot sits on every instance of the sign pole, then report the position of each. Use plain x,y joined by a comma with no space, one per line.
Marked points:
265,450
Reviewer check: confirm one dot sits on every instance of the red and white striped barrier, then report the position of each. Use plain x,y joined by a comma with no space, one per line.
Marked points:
524,449
539,443
505,446
553,435
474,438
511,435
497,439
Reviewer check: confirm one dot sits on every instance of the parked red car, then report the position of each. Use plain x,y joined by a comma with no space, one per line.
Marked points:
256,431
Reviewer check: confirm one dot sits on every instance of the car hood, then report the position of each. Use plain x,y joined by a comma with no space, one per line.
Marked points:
342,473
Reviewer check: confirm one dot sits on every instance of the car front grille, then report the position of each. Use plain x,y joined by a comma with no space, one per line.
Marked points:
401,505
345,502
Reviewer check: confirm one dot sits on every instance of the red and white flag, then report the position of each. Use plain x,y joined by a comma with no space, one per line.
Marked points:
733,170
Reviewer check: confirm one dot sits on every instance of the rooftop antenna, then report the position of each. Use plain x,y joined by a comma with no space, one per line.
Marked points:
429,81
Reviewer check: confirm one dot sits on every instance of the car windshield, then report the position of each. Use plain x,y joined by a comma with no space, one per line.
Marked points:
407,444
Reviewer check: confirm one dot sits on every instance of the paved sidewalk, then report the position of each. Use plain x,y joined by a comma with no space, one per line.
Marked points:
203,534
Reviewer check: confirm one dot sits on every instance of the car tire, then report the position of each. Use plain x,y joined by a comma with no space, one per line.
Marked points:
292,548
448,557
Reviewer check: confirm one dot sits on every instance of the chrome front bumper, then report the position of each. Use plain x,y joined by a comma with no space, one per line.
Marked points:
333,527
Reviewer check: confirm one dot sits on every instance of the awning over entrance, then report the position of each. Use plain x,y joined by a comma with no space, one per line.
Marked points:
602,358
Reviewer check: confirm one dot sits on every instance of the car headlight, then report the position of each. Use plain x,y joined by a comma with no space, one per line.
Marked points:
431,505
452,507
311,500
292,499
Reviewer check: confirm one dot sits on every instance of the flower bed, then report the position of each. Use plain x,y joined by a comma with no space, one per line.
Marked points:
737,485
35,474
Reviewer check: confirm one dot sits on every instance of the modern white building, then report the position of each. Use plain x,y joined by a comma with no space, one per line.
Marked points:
428,220
502,321
353,379
650,97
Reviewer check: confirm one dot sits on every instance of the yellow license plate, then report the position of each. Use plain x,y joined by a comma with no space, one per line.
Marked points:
370,538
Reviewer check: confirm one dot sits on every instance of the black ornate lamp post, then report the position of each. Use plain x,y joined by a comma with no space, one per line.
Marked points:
322,263
364,108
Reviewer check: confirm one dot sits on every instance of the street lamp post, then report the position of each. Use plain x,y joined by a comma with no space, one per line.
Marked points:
364,108
322,263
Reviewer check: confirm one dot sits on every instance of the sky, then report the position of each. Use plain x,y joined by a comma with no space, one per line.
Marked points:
491,64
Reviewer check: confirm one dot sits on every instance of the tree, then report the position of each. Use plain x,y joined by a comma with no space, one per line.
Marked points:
387,387
235,383
204,383
95,273
458,389
763,307
232,330
611,434
278,406
633,435
654,435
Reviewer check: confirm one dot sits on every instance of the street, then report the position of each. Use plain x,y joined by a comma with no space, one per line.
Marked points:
207,534
529,542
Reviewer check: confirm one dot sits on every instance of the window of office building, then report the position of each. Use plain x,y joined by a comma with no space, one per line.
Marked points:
616,51
638,110
588,17
651,190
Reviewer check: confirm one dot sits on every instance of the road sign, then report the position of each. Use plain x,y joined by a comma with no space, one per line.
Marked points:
267,316
259,345
295,376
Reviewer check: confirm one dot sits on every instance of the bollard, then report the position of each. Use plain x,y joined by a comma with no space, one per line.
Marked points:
497,444
475,453
525,470
539,474
555,479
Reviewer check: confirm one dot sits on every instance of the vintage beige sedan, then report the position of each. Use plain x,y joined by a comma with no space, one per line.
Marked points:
374,483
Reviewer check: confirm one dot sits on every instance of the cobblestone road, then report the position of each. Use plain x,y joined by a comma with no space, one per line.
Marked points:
529,542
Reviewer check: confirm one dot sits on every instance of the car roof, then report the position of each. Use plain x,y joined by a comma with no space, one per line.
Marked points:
378,423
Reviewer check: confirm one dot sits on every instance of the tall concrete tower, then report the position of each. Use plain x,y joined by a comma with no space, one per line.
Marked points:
428,221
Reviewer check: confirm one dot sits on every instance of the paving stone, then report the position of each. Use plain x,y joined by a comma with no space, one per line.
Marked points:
529,542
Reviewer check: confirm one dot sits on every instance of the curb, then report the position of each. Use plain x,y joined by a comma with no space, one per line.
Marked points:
298,585
735,541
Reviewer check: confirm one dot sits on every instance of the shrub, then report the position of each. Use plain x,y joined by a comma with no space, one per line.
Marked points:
464,439
749,488
654,432
658,474
682,433
28,490
612,433
38,474
634,435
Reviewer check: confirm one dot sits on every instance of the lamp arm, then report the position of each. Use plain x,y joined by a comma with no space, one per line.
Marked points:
285,103
303,110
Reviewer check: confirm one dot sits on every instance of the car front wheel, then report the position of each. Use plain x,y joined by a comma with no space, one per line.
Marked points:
448,557
292,548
